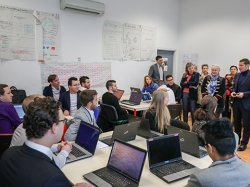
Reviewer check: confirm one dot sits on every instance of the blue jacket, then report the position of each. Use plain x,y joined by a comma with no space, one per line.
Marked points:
150,88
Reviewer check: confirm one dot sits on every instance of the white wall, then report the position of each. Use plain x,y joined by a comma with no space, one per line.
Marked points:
81,36
218,30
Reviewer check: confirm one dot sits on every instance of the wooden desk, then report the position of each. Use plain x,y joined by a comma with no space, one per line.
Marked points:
75,170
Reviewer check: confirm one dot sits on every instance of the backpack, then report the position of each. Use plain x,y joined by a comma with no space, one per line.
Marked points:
18,95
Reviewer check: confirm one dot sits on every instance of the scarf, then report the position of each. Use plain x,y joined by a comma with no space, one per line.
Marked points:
211,87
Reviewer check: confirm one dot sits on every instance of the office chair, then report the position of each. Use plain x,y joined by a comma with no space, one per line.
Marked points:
175,111
5,140
108,118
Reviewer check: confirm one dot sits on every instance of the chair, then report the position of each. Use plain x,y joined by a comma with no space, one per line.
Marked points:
108,118
175,111
5,140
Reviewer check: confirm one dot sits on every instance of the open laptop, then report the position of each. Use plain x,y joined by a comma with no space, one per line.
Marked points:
19,110
189,142
119,94
146,97
144,130
125,132
124,167
85,143
133,89
135,99
165,160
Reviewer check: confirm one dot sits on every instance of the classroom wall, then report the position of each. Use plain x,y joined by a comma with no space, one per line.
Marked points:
81,36
218,30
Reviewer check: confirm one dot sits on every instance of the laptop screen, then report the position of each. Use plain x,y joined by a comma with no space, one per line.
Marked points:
87,137
146,96
19,110
119,94
127,159
163,149
135,97
133,89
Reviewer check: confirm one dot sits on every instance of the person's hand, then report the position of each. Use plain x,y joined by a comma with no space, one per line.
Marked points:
66,113
240,95
233,94
67,146
83,184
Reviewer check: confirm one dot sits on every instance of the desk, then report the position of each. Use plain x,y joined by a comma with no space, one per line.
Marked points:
75,170
142,107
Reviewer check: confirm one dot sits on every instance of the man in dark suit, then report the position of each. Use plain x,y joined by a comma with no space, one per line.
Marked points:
54,89
241,106
156,70
32,164
71,99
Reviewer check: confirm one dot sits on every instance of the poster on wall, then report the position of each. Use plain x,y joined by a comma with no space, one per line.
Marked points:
17,35
148,43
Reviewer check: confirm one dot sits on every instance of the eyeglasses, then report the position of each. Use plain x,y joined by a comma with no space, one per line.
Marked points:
170,80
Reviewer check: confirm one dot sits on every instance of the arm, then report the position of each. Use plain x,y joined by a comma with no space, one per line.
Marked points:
222,90
178,94
151,119
193,182
204,87
194,80
71,132
13,117
183,82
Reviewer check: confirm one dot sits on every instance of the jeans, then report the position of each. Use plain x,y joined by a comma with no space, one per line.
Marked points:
188,105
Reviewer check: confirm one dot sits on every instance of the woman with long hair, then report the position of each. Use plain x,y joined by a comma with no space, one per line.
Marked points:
149,86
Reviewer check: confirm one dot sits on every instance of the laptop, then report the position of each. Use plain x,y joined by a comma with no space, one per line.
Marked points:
144,130
125,132
124,167
133,89
189,142
19,110
85,143
135,99
119,94
146,97
165,160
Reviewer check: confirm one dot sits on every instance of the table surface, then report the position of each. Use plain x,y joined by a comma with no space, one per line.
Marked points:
75,171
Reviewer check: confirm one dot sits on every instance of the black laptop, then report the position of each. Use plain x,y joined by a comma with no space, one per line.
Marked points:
85,143
124,167
144,130
133,89
165,160
125,132
189,142
134,99
19,110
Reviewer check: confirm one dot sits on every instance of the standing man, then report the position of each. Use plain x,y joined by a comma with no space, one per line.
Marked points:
54,89
176,88
85,83
44,123
84,113
204,73
71,99
156,71
241,106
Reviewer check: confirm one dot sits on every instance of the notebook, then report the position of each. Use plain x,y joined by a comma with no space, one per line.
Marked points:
144,130
125,132
119,94
189,142
85,143
167,163
124,167
135,99
19,110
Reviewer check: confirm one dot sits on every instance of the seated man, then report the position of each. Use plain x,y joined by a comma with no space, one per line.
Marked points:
85,83
84,113
176,88
54,89
110,99
71,99
19,137
32,164
9,119
227,169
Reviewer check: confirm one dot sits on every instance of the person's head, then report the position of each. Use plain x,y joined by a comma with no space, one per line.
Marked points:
204,69
29,99
170,80
73,84
159,104
233,70
5,93
195,68
54,80
147,80
85,82
89,99
215,70
189,69
244,65
111,85
219,138
206,111
44,121
159,60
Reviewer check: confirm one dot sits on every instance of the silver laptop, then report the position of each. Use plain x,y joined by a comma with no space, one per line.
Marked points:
189,142
85,143
165,160
19,110
125,132
124,167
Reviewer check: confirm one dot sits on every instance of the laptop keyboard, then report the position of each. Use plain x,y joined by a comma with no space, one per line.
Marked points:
202,152
77,152
174,167
112,177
